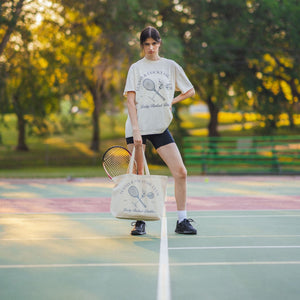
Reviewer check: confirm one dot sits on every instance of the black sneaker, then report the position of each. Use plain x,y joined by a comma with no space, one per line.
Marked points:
139,228
185,227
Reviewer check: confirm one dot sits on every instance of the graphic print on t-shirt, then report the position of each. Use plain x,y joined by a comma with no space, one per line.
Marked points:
149,85
154,85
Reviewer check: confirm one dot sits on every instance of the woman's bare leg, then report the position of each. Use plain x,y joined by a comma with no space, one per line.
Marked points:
172,157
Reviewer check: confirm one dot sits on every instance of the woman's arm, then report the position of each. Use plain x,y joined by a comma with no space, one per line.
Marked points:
133,118
137,138
180,97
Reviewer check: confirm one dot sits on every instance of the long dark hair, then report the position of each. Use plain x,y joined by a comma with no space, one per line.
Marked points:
149,32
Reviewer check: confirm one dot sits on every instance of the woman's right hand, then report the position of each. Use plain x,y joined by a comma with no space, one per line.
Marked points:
137,138
138,144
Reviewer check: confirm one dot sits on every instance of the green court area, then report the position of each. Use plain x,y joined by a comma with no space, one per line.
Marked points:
240,252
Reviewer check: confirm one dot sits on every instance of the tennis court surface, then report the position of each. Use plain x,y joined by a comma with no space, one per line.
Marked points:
59,241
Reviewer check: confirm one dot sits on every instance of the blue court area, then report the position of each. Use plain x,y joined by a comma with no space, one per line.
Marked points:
248,253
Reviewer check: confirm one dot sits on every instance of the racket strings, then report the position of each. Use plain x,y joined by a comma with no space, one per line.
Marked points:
116,161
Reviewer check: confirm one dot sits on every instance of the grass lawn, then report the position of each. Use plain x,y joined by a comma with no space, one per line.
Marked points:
68,172
65,152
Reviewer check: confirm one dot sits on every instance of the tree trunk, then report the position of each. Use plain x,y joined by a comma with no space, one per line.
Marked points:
291,118
213,122
296,95
21,125
95,143
21,134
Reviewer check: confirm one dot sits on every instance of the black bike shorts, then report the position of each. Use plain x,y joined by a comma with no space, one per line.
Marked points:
157,140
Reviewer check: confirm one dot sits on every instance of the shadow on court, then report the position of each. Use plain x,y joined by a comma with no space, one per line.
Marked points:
59,241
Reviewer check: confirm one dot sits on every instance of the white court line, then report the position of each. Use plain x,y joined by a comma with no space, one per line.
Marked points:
184,264
242,216
163,285
123,237
238,263
249,236
78,265
235,247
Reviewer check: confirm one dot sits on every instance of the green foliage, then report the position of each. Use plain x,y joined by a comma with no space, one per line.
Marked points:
240,55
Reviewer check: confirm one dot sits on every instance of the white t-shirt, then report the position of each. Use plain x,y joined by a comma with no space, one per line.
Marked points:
154,83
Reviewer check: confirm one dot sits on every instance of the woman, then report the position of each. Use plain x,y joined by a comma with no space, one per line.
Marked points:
150,87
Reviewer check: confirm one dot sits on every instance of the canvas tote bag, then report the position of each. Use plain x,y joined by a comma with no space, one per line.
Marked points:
138,197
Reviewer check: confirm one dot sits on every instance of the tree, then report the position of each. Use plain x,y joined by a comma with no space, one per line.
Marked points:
89,62
214,35
32,96
274,63
10,13
27,88
103,35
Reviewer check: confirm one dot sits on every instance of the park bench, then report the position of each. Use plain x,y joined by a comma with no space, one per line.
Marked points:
242,155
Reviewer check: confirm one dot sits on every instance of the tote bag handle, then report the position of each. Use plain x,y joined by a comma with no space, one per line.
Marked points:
131,163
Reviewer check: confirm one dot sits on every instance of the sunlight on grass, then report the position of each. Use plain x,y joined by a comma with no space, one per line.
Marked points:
187,124
199,132
196,123
248,126
50,156
84,149
56,141
227,117
201,115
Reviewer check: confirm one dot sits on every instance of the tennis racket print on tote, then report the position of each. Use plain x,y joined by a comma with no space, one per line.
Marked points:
133,192
115,161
